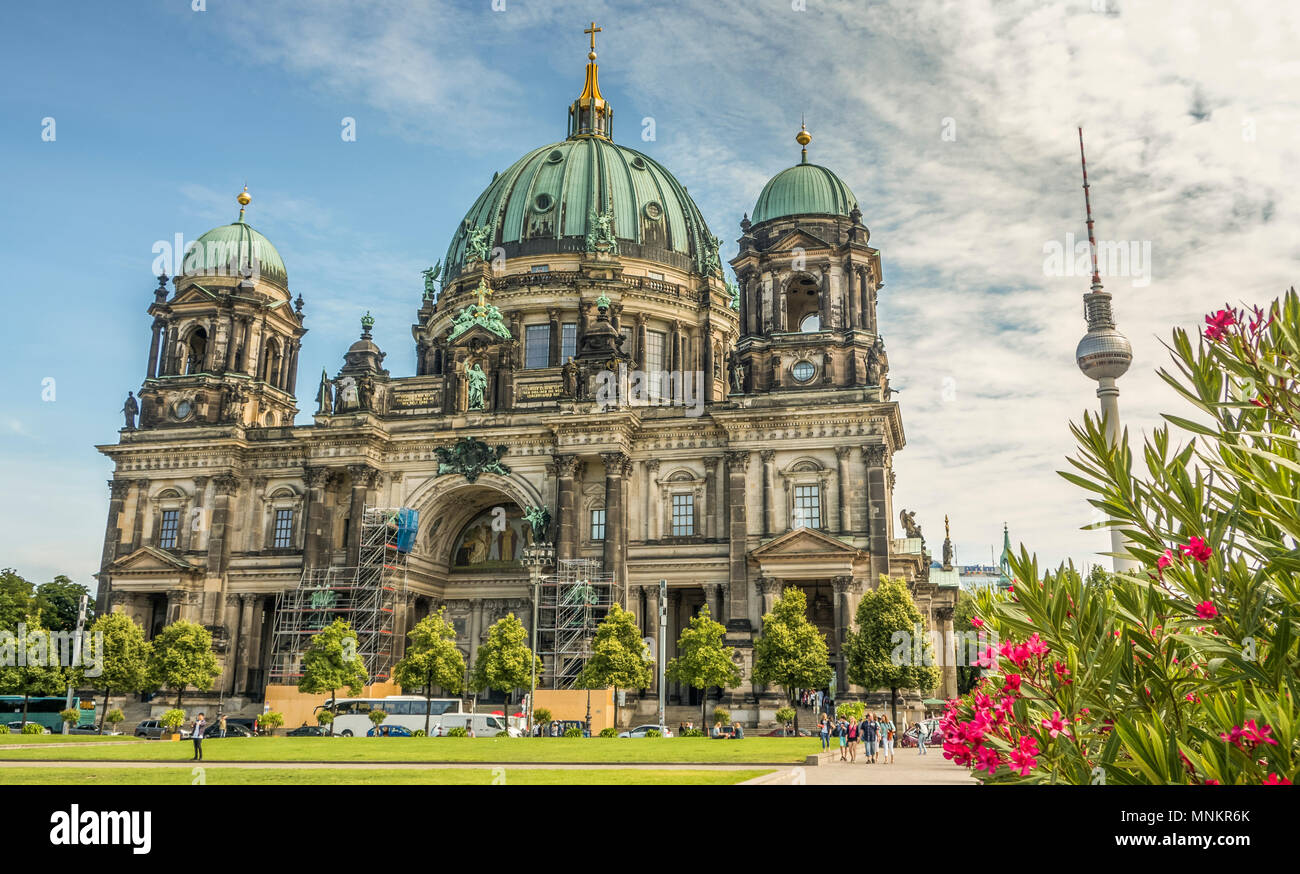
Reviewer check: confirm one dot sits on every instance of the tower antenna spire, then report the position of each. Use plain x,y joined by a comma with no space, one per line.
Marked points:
1087,205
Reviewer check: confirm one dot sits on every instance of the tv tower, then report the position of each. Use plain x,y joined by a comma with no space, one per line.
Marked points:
1104,354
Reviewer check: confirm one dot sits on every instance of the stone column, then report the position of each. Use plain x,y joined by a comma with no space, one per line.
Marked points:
849,284
876,457
713,595
256,657
566,508
316,524
675,623
243,648
769,588
640,340
141,504
738,584
769,491
843,586
117,491
948,654
227,487
152,369
845,492
650,622
615,532
780,302
824,313
475,632
711,496
231,619
651,467
363,477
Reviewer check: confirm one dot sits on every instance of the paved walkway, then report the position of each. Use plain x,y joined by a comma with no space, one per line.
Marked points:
908,769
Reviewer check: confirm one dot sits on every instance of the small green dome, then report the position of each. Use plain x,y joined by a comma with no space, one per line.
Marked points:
212,253
544,203
804,189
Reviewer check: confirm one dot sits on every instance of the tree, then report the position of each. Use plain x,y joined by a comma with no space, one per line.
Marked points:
791,652
504,662
173,720
17,603
182,656
59,601
785,715
271,720
40,676
619,656
114,718
703,660
126,656
877,658
963,617
431,659
332,662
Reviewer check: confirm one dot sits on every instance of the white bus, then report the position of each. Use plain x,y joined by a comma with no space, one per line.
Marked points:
352,715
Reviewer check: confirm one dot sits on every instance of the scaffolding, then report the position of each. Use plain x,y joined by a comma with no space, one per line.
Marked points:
366,596
570,604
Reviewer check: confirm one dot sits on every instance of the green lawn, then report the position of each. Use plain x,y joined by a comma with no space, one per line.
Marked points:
766,750
218,776
16,738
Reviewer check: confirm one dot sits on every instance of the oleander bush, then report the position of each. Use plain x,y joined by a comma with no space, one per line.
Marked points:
1184,669
458,731
609,732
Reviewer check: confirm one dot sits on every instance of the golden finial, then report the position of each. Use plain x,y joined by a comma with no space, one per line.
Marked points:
803,138
244,200
592,31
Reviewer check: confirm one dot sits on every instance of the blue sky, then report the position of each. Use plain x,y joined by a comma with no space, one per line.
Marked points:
952,122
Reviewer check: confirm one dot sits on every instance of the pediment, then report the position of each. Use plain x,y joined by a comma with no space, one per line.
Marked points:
804,543
148,559
477,336
798,239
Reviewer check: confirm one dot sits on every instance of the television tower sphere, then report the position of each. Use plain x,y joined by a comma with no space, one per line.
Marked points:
1104,353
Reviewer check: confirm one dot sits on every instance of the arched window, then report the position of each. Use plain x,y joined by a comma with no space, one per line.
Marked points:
811,322
196,350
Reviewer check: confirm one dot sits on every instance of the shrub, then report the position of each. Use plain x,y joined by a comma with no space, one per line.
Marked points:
722,715
692,732
270,721
1183,670
71,716
854,710
324,717
377,716
4,729
541,716
609,732
173,720
458,731
114,718
653,732
573,732
784,715
419,732
33,728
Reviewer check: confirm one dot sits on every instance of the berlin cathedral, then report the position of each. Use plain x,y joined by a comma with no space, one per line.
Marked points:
763,458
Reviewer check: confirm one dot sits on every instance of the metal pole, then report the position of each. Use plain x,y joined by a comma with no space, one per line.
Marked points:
76,653
532,695
663,633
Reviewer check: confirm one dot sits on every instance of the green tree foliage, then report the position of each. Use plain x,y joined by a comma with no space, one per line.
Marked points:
604,732
431,660
17,600
882,652
173,720
703,660
1186,669
270,721
791,652
377,717
181,655
114,718
332,662
325,717
126,657
504,662
71,716
963,617
853,710
542,716
58,602
619,656
40,676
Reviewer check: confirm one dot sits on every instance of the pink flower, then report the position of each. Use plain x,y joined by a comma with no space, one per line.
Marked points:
1055,725
1036,645
977,622
1022,763
1275,780
1062,673
1012,684
988,760
1218,324
1257,735
1164,561
1206,610
988,659
1197,549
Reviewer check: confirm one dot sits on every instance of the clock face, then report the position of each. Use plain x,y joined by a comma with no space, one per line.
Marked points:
803,370
182,409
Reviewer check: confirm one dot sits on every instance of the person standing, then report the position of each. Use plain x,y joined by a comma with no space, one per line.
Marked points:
920,738
842,732
221,725
853,740
887,730
200,725
824,729
870,729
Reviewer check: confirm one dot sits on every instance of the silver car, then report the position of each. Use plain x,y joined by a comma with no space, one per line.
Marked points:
640,731
152,729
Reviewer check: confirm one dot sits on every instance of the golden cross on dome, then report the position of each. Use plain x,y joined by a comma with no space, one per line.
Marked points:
593,30
482,291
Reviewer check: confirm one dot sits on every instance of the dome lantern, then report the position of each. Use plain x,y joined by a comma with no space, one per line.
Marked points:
591,115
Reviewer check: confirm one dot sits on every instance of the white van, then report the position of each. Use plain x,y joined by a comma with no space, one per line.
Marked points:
485,724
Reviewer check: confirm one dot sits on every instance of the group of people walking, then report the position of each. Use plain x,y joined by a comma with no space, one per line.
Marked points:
875,733
813,699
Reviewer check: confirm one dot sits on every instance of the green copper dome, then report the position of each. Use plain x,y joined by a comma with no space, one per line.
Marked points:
804,189
586,192
212,253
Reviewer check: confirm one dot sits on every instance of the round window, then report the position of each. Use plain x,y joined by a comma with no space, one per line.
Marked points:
803,370
654,211
182,409
543,202
555,157
638,163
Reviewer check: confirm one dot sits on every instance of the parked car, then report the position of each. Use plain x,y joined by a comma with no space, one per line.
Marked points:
787,732
247,723
84,729
317,731
17,727
640,731
233,729
385,731
152,729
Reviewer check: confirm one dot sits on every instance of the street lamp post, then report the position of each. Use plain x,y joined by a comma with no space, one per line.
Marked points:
661,644
76,653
